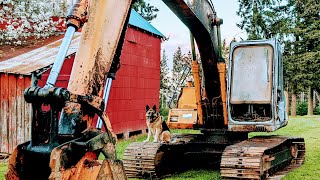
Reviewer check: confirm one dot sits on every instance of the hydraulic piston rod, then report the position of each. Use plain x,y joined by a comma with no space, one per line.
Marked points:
106,93
60,57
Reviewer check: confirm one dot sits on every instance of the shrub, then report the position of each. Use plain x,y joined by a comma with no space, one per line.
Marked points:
316,111
302,108
164,112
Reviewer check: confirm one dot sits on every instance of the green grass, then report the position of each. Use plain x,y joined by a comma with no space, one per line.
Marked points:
3,169
307,127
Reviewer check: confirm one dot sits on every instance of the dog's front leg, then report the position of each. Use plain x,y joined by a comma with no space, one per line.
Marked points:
156,135
149,135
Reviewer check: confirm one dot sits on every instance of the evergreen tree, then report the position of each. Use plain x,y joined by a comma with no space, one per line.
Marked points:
164,79
255,15
146,10
180,67
164,71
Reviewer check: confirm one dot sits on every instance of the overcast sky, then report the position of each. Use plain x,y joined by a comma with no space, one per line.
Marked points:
169,25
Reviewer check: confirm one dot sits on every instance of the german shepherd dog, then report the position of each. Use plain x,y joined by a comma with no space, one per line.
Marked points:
156,126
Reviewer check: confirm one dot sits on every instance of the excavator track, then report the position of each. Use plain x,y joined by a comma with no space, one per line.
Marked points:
262,157
140,159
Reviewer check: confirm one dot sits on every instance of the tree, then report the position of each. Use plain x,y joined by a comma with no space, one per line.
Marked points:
164,71
29,19
180,71
146,10
259,18
164,78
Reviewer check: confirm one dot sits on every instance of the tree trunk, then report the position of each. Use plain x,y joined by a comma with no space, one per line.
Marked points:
294,105
287,102
310,101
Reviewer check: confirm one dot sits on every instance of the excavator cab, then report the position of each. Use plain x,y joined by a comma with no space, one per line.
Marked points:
255,93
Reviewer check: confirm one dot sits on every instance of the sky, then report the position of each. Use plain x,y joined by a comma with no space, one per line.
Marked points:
170,25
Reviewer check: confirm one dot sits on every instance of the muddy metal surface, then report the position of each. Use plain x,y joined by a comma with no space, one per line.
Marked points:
262,157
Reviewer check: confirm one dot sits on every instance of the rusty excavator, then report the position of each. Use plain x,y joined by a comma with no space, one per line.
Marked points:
225,107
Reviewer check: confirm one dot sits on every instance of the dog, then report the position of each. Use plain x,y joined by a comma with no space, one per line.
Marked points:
157,126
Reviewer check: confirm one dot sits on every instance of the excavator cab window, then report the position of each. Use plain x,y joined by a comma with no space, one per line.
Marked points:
251,83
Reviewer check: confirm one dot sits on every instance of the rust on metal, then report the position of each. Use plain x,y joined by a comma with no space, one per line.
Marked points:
140,159
262,157
78,14
251,128
223,89
197,86
179,118
100,36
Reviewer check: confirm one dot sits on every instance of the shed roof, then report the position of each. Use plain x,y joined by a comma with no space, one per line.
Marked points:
138,21
42,57
38,58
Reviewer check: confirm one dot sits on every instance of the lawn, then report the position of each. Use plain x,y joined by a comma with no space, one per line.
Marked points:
303,126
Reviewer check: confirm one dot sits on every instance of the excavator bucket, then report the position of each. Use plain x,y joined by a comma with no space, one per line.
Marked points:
87,168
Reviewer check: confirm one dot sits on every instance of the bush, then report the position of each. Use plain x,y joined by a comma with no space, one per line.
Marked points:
316,111
302,108
164,112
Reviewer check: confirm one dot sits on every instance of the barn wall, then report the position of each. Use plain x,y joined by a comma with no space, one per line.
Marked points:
15,113
137,83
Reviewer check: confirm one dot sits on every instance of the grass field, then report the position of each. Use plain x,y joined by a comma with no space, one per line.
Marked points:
307,127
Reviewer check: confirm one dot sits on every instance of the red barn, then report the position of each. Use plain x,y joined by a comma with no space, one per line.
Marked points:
137,83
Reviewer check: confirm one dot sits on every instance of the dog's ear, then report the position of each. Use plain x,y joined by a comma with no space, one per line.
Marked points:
147,107
154,108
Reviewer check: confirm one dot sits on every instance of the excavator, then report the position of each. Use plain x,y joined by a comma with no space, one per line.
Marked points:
247,98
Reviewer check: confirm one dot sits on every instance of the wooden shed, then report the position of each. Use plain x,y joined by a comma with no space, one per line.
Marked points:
137,83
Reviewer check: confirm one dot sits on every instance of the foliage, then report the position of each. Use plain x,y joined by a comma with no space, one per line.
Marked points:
296,24
29,19
180,71
164,112
255,16
146,10
302,108
3,169
164,71
316,110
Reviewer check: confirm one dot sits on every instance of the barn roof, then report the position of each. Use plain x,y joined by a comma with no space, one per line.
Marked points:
138,21
38,58
42,57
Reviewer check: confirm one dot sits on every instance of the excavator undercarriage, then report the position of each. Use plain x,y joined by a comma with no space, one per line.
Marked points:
260,157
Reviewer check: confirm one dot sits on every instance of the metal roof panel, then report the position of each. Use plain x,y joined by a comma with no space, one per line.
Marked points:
38,58
138,21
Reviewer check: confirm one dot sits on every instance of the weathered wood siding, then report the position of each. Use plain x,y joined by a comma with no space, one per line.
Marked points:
15,114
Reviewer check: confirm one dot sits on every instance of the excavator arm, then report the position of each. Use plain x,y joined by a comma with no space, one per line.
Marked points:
201,19
63,144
